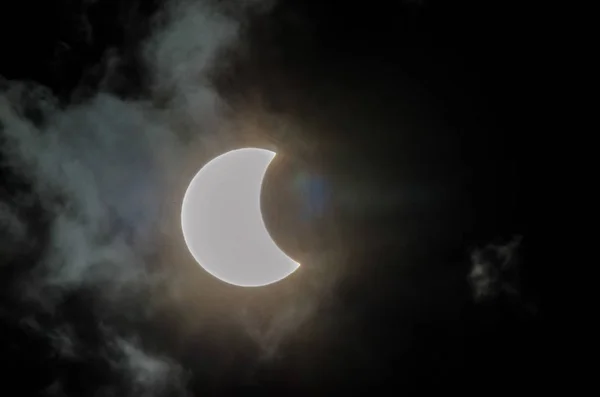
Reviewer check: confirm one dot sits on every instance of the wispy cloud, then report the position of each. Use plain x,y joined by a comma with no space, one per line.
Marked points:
12,230
102,170
495,270
145,374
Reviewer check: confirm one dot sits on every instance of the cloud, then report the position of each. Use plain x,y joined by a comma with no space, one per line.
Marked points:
495,270
65,341
132,369
55,390
97,170
12,230
145,374
269,336
103,170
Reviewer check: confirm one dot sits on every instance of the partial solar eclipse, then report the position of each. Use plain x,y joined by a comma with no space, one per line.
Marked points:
223,225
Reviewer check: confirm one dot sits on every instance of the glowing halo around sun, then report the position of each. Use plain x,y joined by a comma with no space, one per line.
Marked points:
222,221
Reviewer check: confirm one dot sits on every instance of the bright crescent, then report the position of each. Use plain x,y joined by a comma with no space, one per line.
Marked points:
223,225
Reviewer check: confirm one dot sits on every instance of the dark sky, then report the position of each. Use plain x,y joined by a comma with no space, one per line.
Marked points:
404,132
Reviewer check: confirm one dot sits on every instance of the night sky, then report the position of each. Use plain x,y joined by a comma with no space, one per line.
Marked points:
401,185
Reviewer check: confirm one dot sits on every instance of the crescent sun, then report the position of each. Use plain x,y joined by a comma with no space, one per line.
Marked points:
222,221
